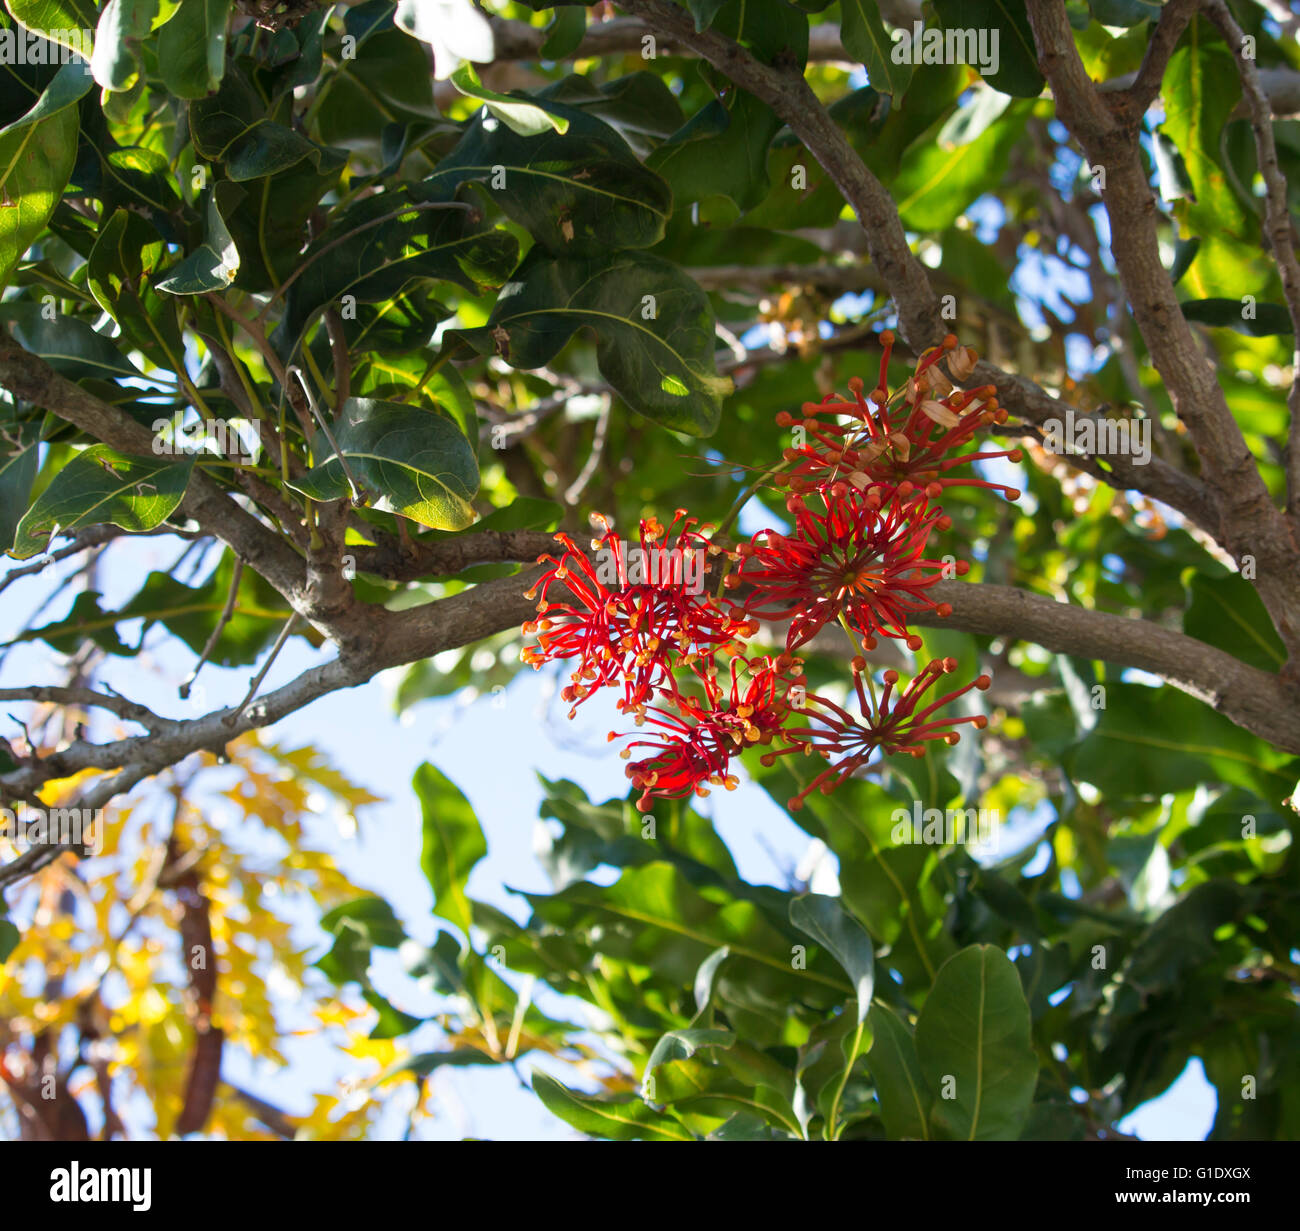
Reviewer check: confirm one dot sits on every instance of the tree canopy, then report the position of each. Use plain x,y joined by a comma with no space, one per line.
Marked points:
942,339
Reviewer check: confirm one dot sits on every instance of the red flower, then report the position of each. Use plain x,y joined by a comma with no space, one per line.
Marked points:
892,729
908,447
861,557
632,619
704,733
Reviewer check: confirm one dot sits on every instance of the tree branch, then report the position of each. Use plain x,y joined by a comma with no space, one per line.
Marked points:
1277,223
1249,525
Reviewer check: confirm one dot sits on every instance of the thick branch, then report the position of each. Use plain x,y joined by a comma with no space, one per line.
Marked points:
1255,700
1249,524
1277,222
919,308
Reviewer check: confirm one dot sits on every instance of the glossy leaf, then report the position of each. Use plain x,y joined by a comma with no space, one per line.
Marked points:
579,193
616,1119
410,459
192,47
653,325
841,935
452,844
102,485
972,1043
36,157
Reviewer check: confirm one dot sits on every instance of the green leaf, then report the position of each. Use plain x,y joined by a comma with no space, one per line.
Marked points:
841,935
120,274
618,1119
653,916
654,329
896,1072
453,843
358,927
1227,612
69,345
51,17
213,265
867,41
516,113
1185,251
639,107
1008,20
415,460
682,1045
37,153
721,151
17,472
123,25
972,1042
102,485
9,938
934,185
1149,741
69,86
579,193
192,48
1124,12
565,33
1258,320
1200,91
389,244
523,513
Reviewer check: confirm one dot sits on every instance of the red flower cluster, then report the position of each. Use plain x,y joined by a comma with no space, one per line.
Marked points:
861,486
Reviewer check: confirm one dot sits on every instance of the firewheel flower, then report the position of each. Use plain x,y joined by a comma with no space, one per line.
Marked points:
632,613
905,439
861,558
890,726
699,735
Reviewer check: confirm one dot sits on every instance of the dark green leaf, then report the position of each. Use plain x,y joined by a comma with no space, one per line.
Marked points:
896,1072
972,1042
1016,61
867,41
841,935
579,193
192,47
102,485
1259,320
416,461
654,330
213,265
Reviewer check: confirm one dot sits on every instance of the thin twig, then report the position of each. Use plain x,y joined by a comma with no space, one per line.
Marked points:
358,492
231,718
226,613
